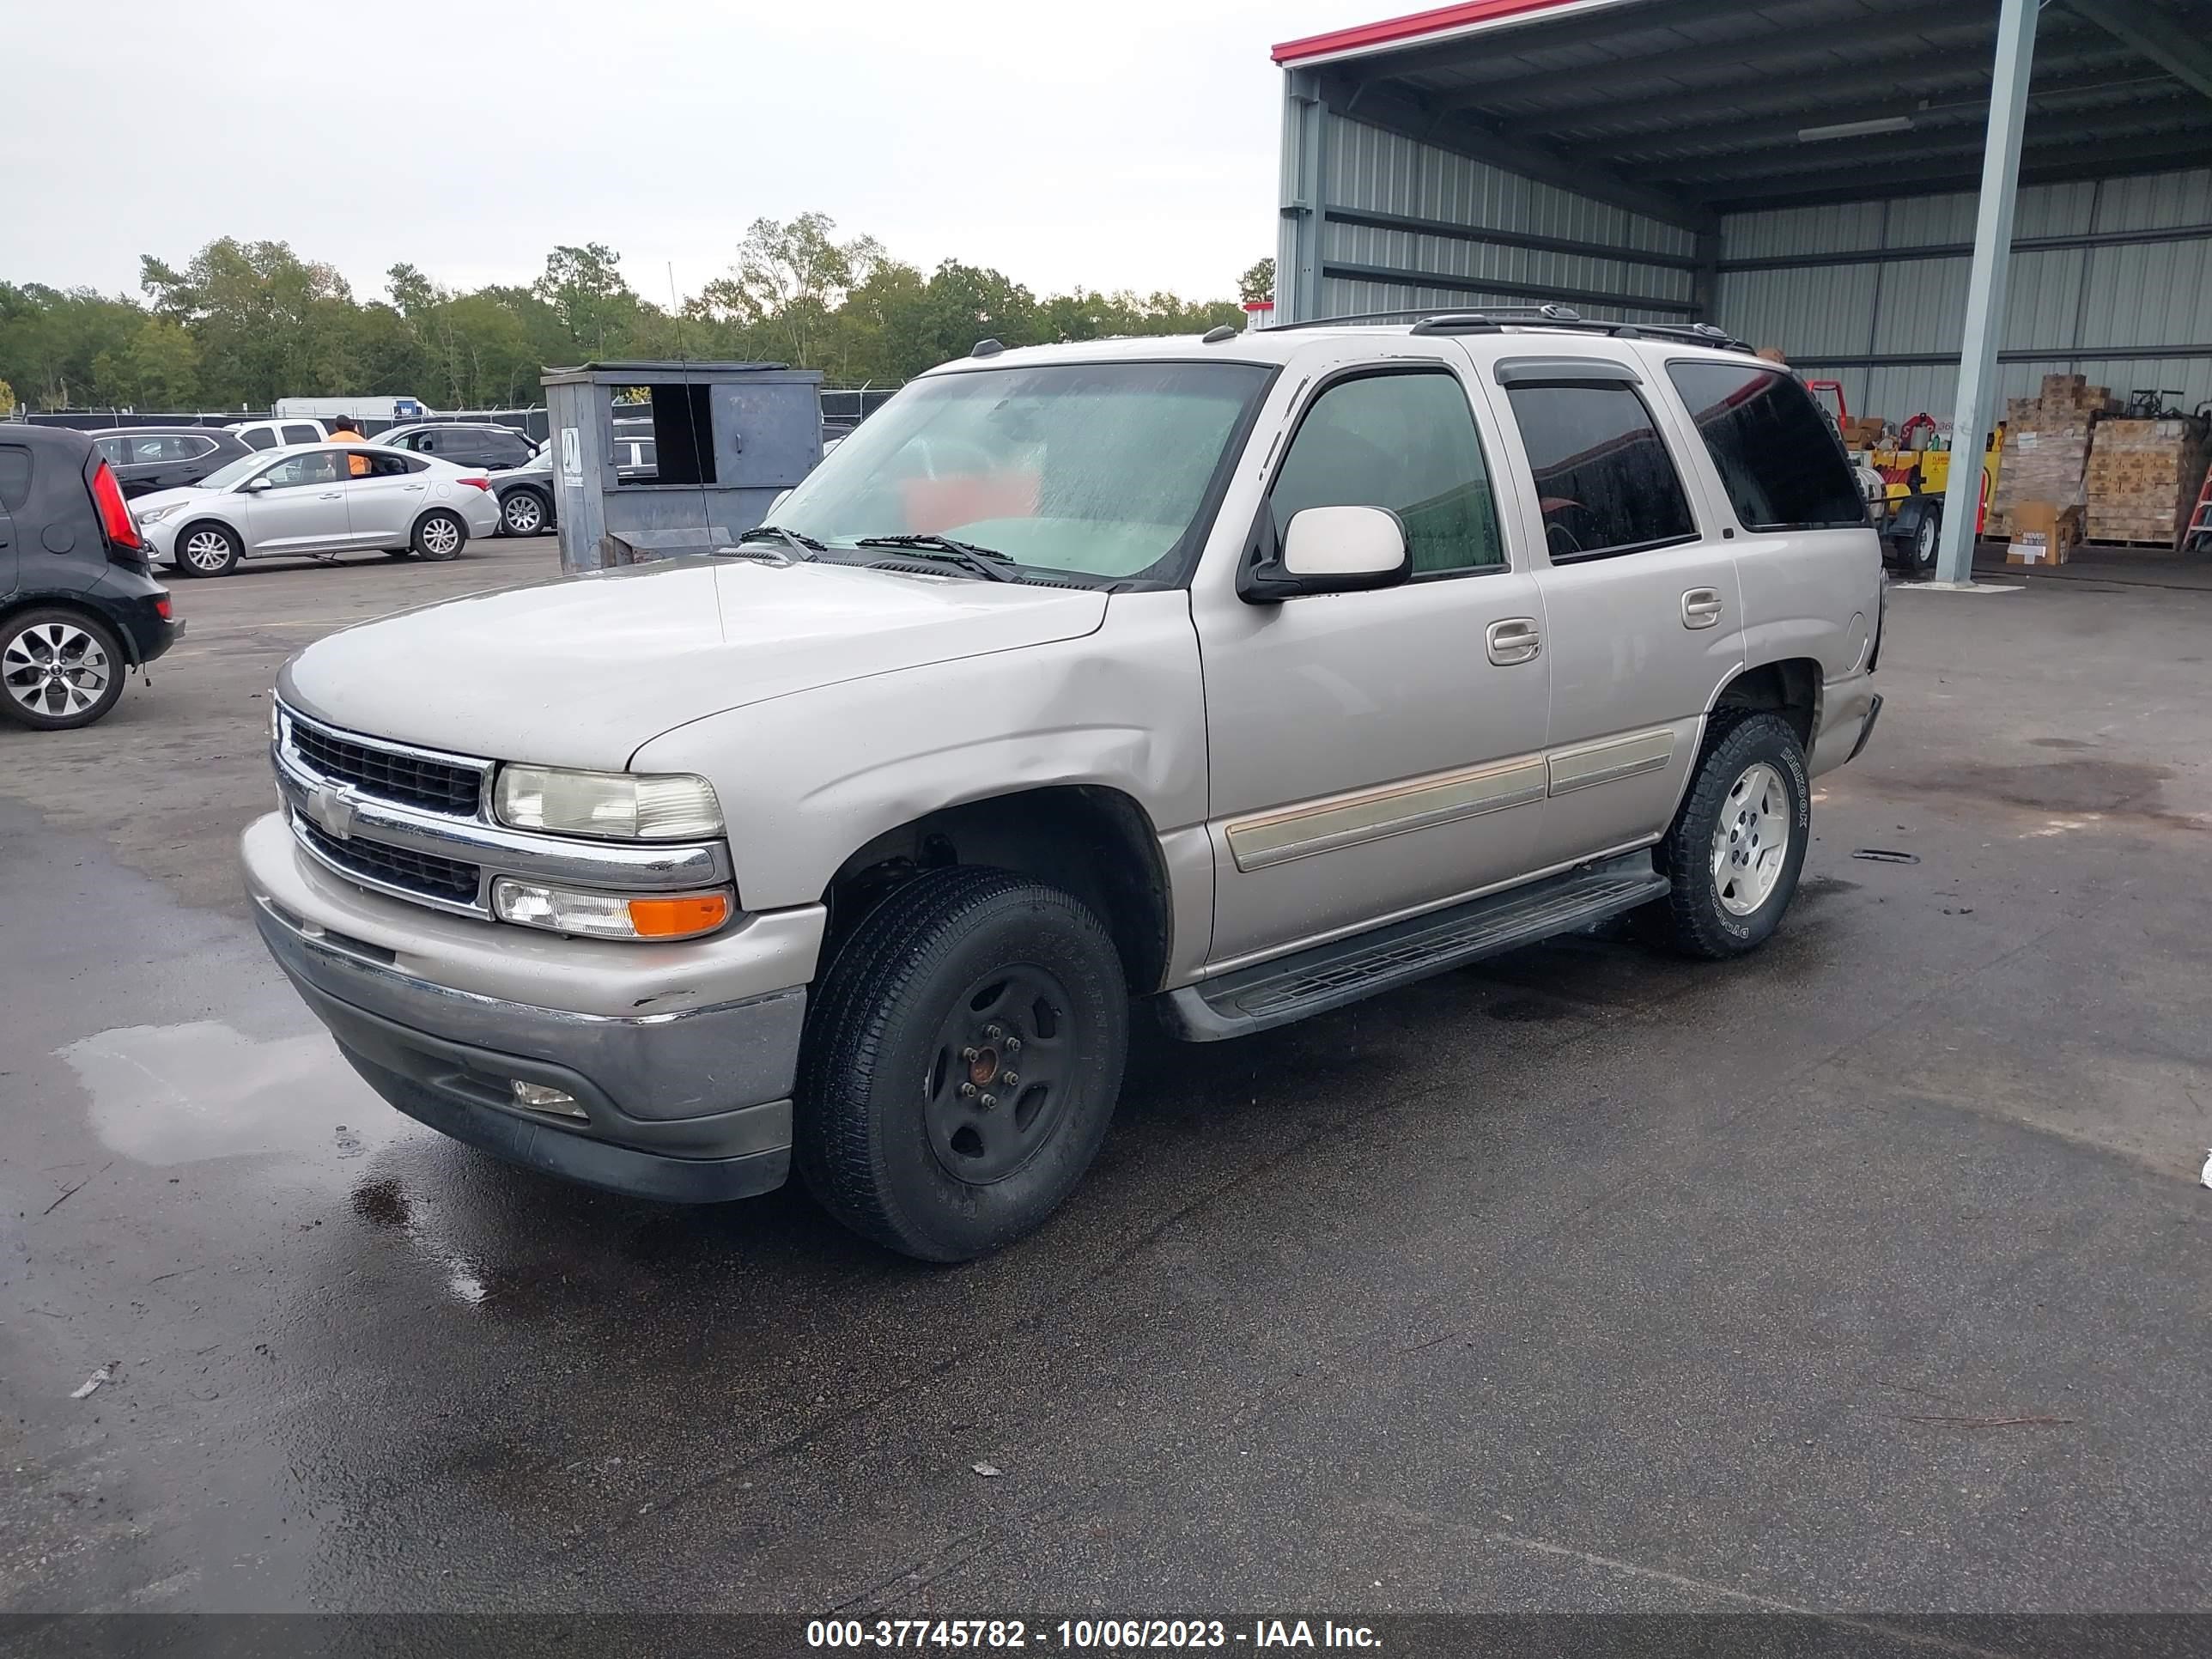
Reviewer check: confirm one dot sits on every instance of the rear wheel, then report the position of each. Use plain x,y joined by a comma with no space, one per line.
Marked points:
1738,842
208,550
962,1063
439,536
521,513
59,668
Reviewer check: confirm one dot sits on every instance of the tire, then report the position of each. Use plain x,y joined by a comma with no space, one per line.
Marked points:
1927,538
522,512
889,1135
207,548
439,536
59,668
1750,760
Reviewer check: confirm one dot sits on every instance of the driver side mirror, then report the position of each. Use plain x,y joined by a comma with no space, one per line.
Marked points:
255,486
1331,549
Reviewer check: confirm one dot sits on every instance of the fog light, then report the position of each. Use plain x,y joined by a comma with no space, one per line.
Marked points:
610,915
536,1097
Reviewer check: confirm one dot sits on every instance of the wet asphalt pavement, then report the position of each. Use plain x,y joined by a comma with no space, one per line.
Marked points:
1870,1272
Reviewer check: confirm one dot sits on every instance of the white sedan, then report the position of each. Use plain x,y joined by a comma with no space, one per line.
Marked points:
317,501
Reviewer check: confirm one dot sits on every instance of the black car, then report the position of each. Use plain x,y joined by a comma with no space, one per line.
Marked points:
79,607
146,458
493,447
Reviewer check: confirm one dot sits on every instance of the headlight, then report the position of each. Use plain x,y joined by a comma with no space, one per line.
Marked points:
154,515
610,916
629,805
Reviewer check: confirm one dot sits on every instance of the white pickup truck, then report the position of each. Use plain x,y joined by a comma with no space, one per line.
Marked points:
1239,677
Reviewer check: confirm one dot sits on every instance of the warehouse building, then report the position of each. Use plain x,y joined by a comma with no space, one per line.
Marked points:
1809,174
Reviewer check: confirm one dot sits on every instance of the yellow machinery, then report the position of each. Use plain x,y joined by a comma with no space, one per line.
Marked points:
1914,480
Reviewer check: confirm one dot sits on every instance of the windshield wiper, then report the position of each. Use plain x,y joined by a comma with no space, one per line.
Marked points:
807,545
986,562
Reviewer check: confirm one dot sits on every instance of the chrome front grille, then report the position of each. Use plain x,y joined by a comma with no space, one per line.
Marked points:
417,824
424,874
413,777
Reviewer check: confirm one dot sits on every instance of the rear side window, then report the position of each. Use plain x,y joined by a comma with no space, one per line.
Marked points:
302,434
1604,478
1403,441
15,476
258,437
1773,451
115,451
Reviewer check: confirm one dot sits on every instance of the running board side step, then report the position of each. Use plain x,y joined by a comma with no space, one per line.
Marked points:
1272,993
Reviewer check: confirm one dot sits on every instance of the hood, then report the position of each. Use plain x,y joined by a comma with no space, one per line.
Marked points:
166,497
582,671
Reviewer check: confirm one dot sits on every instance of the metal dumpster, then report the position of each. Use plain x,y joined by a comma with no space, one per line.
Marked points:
726,439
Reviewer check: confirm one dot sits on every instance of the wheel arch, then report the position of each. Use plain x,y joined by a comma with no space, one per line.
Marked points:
1789,686
1094,841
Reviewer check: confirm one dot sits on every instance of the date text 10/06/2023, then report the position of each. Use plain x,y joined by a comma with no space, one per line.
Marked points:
1090,1634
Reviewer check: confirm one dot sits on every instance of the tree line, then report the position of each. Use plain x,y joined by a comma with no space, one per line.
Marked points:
242,324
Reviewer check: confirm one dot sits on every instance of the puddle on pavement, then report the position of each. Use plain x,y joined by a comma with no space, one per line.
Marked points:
178,1094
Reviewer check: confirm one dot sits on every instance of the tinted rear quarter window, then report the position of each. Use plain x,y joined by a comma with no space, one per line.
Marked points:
301,434
1775,456
1603,476
15,476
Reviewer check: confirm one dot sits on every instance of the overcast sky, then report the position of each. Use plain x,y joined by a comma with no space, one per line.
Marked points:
1124,144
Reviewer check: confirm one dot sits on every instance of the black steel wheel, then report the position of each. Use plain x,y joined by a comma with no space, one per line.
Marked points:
962,1063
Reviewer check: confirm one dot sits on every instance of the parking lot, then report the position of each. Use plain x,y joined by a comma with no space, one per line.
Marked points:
1869,1270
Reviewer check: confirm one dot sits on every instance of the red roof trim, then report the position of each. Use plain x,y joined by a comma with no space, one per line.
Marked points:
1393,30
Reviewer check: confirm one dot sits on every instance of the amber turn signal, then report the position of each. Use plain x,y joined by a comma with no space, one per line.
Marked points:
678,918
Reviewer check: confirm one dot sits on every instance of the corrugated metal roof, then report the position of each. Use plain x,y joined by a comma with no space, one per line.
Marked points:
1710,101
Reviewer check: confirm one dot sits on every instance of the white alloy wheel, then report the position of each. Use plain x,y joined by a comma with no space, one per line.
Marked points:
1752,840
55,669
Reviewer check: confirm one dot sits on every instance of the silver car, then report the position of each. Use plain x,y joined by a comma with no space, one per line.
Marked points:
317,501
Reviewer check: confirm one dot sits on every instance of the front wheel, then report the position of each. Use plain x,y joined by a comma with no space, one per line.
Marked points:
60,669
962,1063
1737,843
439,536
208,550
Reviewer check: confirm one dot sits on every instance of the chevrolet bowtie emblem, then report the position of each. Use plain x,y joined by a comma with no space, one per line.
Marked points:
333,809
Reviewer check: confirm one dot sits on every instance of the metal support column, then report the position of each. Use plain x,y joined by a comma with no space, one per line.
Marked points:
1297,252
1705,279
1986,288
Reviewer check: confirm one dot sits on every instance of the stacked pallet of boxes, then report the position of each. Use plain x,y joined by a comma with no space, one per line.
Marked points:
2143,479
2046,447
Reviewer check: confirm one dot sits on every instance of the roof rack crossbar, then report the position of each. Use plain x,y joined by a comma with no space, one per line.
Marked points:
1491,320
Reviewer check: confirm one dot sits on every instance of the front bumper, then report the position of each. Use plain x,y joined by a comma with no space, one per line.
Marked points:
689,1105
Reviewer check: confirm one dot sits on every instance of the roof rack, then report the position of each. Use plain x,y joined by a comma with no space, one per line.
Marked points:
1493,319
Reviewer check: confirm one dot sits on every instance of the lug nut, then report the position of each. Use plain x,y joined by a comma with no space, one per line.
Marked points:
992,1033
988,1102
1009,1079
967,1092
968,1053
1013,1045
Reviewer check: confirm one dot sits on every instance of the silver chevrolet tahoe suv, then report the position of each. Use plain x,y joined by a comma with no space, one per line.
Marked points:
1240,678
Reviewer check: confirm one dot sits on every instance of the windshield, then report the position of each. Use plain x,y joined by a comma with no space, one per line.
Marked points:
1090,468
231,471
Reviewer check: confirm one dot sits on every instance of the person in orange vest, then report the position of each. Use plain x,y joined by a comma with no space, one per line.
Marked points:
344,431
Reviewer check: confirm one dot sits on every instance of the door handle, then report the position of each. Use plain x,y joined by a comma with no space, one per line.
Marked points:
1701,607
331,495
1513,641
412,489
